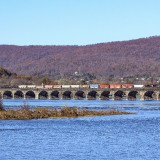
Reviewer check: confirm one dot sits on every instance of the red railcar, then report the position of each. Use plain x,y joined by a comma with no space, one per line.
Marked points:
115,85
127,86
104,86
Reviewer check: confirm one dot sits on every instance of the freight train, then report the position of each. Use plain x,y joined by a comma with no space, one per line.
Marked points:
92,86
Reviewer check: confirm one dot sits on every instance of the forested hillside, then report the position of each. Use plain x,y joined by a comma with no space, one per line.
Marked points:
139,57
6,74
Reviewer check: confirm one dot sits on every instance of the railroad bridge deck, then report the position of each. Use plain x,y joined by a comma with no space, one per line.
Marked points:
82,93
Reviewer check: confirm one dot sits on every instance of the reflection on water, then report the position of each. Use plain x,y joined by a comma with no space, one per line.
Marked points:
121,137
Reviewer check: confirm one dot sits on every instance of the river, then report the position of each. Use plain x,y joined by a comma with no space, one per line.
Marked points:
120,137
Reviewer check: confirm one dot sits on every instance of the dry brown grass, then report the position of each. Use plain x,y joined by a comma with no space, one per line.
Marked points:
39,113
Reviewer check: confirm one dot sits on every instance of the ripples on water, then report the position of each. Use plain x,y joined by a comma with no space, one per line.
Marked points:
122,137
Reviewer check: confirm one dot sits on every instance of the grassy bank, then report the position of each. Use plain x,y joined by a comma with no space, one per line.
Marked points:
39,113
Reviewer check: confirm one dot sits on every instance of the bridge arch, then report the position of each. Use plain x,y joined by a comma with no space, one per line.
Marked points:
55,95
119,95
132,95
43,95
30,95
149,95
19,95
80,95
7,95
92,95
105,95
67,95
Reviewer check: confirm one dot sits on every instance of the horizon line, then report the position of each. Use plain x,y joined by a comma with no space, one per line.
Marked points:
77,45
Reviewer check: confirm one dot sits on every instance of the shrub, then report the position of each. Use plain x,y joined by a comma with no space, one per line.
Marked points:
1,104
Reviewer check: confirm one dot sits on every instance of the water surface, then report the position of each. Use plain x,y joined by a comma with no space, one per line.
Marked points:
121,137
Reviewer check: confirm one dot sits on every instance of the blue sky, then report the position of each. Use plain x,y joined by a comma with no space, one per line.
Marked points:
72,22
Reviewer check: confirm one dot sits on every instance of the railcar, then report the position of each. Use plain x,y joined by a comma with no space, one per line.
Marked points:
57,86
104,86
95,86
84,86
115,85
14,86
75,86
48,86
127,86
138,85
31,86
151,85
22,86
40,87
66,86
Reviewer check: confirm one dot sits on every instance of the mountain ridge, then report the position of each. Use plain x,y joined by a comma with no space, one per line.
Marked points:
140,57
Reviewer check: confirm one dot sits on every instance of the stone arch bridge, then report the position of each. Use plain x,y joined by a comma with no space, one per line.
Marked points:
90,94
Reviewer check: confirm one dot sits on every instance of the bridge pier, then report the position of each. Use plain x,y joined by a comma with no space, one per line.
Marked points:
158,96
127,98
36,96
142,98
49,96
141,94
60,95
73,95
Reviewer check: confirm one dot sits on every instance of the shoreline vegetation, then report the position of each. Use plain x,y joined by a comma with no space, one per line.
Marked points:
25,113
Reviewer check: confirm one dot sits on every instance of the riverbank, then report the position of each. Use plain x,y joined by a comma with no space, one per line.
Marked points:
65,112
